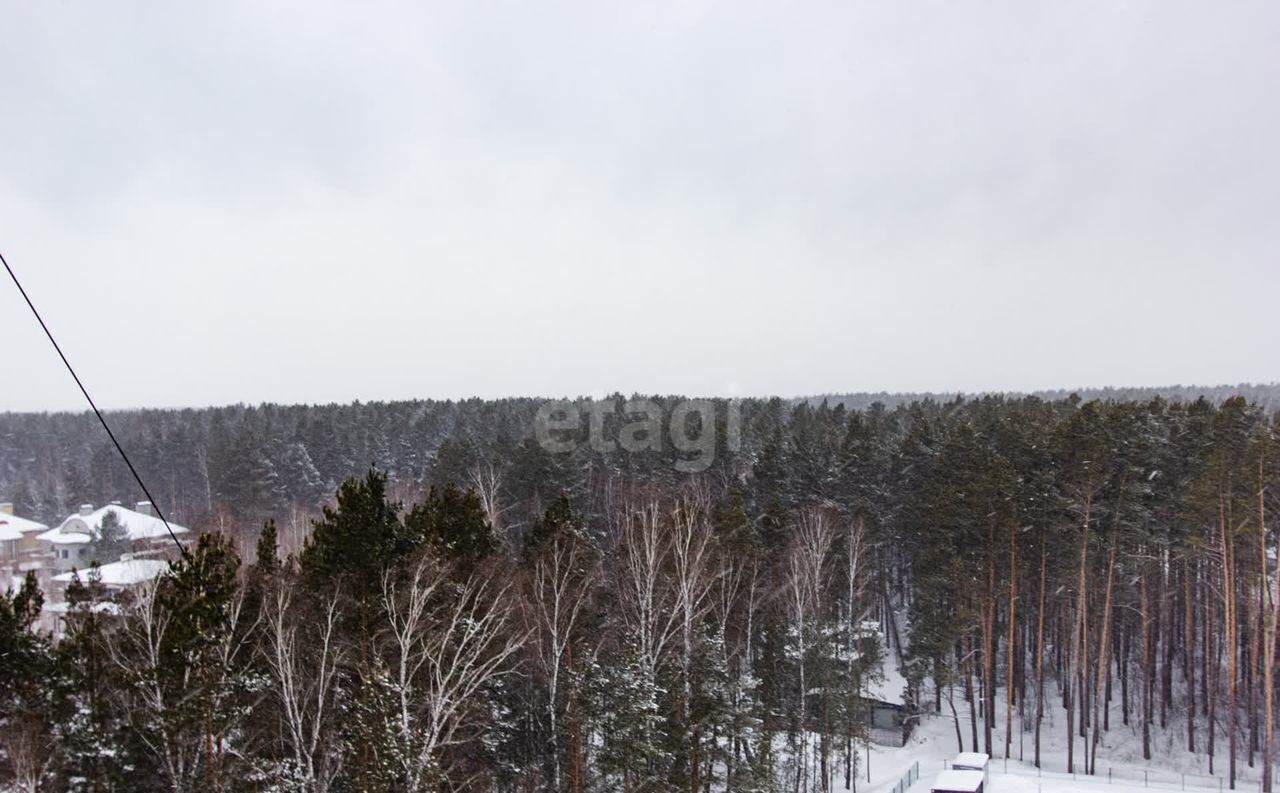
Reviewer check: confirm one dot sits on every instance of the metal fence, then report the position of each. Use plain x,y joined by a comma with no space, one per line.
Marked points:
1156,779
908,779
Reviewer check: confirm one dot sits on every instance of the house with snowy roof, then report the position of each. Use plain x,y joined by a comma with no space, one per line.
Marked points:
69,544
114,578
18,537
118,576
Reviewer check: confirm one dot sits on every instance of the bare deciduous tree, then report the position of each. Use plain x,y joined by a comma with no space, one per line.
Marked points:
29,749
179,705
559,585
304,669
805,574
449,642
487,481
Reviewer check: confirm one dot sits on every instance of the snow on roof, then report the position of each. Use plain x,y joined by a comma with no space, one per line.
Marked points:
891,686
958,782
970,760
138,525
125,573
15,523
59,537
65,608
7,534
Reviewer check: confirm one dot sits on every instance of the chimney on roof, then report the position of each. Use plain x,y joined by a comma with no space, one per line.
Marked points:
6,507
144,508
86,510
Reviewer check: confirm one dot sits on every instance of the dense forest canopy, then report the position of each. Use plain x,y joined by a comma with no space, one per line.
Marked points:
255,462
466,609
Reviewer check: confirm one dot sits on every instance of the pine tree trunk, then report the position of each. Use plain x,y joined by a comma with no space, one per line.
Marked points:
1210,679
1071,674
969,693
955,717
1189,653
1167,632
1144,615
1009,649
1040,651
988,670
1206,643
1268,639
1122,669
1257,611
1081,665
1103,658
1230,640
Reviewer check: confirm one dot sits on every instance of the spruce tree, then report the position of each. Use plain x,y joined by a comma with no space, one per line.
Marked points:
185,660
355,542
452,521
27,731
110,539
95,751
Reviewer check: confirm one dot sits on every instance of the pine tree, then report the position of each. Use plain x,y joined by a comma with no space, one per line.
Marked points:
185,658
95,752
623,708
560,521
267,551
372,743
354,543
453,522
27,736
110,539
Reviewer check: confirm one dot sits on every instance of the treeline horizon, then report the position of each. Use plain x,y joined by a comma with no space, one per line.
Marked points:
249,463
1264,394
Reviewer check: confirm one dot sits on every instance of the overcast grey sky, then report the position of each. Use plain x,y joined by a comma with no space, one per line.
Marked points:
303,202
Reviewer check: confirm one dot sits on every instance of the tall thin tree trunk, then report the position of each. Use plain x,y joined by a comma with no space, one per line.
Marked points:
1104,659
1229,640
970,694
1144,615
1269,635
1125,638
1189,653
1210,678
1077,639
1009,649
1040,651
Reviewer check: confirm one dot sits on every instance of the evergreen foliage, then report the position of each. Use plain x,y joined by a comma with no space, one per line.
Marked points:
1089,566
452,521
110,539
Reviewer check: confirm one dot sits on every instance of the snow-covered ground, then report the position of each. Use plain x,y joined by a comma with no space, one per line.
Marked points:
933,745
1121,767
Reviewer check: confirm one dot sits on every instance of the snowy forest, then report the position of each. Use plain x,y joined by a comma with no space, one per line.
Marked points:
415,596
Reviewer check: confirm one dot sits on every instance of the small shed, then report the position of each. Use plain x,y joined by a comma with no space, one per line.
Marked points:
953,781
972,761
886,715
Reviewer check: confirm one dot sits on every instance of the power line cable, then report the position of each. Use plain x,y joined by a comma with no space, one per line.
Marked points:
96,412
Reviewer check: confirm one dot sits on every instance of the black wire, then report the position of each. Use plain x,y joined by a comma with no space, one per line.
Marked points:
96,412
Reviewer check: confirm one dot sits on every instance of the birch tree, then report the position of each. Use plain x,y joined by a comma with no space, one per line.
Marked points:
304,654
565,569
806,572
447,643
